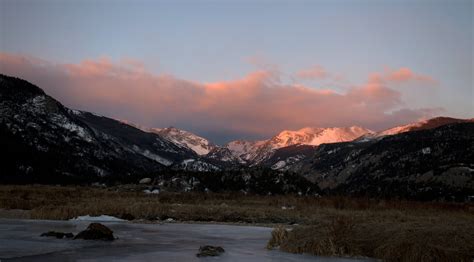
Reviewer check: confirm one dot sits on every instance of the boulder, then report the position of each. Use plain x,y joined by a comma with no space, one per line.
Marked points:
96,231
145,180
210,251
127,216
59,235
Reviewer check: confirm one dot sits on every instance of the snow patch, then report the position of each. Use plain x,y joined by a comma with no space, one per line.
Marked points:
146,153
197,165
102,218
426,151
182,138
67,124
153,191
279,164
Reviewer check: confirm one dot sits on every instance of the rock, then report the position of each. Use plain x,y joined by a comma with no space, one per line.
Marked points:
96,231
59,235
152,218
145,180
210,251
127,216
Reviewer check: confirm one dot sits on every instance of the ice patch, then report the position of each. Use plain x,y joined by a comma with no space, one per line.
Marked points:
102,218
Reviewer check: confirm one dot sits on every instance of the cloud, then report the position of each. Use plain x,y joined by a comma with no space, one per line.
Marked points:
257,105
401,75
315,72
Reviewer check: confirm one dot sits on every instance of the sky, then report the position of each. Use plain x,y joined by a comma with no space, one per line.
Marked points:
241,69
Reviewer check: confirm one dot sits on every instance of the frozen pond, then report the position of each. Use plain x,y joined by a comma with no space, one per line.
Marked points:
20,241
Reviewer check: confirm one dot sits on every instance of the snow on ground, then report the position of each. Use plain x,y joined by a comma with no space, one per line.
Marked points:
72,127
260,150
154,191
185,139
103,218
279,165
244,149
37,104
197,165
317,136
150,155
75,112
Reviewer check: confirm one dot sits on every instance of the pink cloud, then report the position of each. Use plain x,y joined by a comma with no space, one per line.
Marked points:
315,72
257,104
400,75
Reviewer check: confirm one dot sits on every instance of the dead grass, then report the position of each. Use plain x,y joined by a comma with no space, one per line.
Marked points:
393,230
439,239
279,235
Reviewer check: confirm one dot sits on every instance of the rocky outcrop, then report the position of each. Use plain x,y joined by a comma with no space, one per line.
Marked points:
96,231
210,251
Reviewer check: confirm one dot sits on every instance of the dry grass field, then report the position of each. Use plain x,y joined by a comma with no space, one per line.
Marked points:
393,230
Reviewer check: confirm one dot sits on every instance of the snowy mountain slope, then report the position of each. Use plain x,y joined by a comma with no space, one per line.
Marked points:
246,151
431,163
196,165
185,139
223,154
209,155
255,152
317,136
42,139
252,153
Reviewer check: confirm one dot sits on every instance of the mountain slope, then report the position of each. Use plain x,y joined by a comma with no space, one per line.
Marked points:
421,125
426,164
259,151
185,139
41,139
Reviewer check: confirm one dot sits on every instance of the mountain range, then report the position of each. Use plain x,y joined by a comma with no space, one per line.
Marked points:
46,142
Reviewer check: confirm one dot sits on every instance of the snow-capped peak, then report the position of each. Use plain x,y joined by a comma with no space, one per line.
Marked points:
316,136
184,138
179,137
241,148
260,150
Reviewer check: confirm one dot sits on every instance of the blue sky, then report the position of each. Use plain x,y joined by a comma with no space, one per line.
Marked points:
209,41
